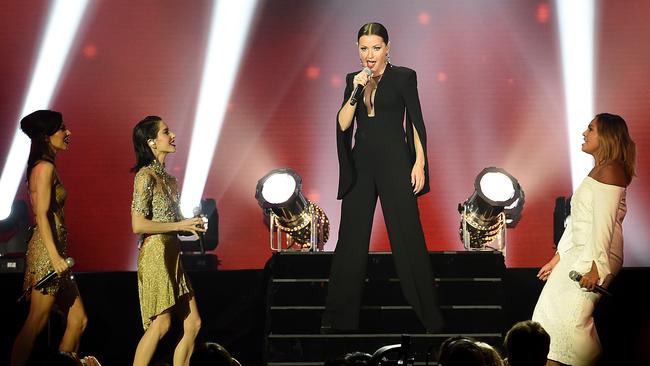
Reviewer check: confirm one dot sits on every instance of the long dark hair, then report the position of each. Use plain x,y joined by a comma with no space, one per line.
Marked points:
142,132
376,29
38,125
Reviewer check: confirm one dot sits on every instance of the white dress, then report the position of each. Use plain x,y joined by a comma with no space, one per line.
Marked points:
593,233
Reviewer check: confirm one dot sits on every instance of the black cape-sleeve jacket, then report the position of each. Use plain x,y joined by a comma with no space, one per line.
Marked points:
404,80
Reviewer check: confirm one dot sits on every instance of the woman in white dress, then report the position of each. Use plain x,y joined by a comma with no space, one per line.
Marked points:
592,245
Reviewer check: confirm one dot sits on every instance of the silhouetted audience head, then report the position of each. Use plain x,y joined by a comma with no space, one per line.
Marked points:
351,359
63,359
527,344
460,351
212,354
490,355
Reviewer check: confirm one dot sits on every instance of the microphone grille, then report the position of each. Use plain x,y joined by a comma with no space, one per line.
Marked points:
69,261
575,276
367,71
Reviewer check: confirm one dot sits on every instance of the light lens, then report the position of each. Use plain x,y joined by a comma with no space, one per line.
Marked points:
278,188
497,187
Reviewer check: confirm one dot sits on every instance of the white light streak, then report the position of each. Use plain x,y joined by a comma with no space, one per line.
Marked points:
228,33
576,21
59,34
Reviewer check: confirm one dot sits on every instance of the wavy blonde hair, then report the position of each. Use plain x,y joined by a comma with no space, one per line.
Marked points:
615,143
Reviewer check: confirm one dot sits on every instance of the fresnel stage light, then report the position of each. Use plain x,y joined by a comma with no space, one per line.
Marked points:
304,223
496,203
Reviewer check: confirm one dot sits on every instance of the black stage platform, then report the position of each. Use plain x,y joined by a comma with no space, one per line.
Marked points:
271,316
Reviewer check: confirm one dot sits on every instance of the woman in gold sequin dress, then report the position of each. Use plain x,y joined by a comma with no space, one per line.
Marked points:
47,246
163,287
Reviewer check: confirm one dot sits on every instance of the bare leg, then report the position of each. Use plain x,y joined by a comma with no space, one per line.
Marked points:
191,326
149,341
39,313
75,326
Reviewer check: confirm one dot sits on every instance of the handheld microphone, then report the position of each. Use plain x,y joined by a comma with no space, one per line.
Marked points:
357,94
43,281
198,213
600,289
52,274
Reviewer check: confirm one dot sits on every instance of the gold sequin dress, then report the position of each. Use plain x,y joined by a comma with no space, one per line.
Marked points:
161,279
37,258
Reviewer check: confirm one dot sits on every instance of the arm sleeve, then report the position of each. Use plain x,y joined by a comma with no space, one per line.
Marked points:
565,242
143,186
415,120
344,146
605,200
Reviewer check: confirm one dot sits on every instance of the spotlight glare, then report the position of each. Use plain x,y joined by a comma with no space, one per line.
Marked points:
497,186
58,36
576,22
278,188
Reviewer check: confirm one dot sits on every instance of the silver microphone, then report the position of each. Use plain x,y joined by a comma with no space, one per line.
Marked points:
357,94
574,275
204,224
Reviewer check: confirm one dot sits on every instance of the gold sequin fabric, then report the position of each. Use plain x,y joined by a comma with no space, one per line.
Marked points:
38,260
161,278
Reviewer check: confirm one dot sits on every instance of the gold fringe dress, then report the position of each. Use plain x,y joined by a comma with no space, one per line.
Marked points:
37,258
161,278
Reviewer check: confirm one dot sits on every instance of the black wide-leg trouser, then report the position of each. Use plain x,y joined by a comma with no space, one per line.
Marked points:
385,173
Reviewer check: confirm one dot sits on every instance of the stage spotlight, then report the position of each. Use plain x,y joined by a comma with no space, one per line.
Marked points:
561,215
210,239
14,234
497,203
193,247
279,194
513,211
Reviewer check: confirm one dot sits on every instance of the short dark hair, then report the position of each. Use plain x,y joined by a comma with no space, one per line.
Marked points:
527,343
143,131
460,351
210,353
38,125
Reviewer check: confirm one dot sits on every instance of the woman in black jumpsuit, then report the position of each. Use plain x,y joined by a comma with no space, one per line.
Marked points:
389,161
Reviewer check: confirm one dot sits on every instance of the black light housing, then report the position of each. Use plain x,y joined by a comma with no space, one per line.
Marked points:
279,194
14,230
210,239
496,203
561,212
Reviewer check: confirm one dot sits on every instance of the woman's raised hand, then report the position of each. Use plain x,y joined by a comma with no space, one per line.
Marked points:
361,79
